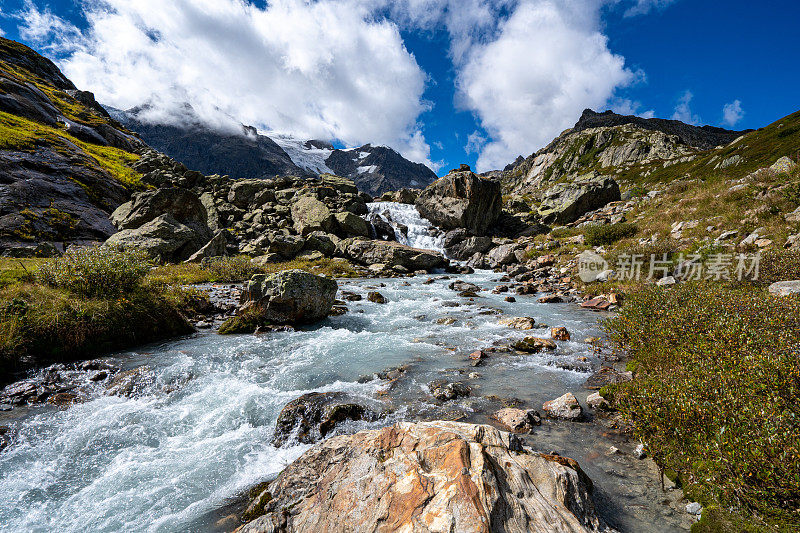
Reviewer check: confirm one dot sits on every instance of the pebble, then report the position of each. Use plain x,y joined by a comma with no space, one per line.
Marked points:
694,508
640,452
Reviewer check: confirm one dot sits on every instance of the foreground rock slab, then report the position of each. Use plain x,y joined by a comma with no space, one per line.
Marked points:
426,477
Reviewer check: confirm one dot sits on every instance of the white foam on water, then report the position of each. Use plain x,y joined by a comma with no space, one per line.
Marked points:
200,433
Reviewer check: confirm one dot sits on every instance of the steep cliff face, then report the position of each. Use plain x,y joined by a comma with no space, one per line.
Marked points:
64,162
612,144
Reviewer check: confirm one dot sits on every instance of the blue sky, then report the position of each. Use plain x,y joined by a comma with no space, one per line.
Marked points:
443,81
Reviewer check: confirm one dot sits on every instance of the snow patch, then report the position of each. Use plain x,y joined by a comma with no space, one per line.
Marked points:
311,159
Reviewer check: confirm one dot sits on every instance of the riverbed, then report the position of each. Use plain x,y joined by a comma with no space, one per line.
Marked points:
193,439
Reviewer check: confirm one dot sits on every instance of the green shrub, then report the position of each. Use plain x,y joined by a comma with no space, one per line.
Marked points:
717,391
96,271
609,233
231,269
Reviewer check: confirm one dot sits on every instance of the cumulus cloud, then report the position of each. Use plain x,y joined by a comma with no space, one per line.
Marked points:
475,142
683,110
732,113
643,7
327,69
547,64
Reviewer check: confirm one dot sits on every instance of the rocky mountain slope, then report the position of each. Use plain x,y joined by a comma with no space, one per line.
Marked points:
243,153
64,162
613,144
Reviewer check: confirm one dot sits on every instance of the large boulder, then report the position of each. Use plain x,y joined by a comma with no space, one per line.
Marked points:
163,238
351,225
290,297
566,202
461,200
309,214
460,245
182,204
312,416
369,252
424,477
244,192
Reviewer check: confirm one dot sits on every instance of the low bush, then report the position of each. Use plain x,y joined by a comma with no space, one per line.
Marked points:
717,392
96,271
609,233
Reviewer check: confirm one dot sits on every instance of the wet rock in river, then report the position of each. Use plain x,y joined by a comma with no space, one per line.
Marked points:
534,345
607,376
565,407
19,393
595,401
312,416
376,297
434,476
560,334
477,357
443,390
462,286
518,420
550,299
131,382
518,322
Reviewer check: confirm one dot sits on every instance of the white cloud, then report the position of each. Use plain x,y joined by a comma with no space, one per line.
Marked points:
327,69
548,63
475,142
732,113
683,111
643,7
624,106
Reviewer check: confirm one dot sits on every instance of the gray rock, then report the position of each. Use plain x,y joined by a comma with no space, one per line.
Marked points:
163,237
370,252
182,204
351,225
784,165
243,192
565,407
216,247
309,215
314,415
461,200
289,297
566,202
785,288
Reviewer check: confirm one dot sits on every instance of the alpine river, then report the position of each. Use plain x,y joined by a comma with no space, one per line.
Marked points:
178,455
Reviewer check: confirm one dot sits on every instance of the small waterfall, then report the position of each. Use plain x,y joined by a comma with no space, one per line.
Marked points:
409,227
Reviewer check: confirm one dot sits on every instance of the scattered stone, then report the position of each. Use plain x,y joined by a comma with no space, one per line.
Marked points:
640,452
376,297
62,399
519,322
694,508
312,416
785,288
510,299
613,450
550,299
534,345
477,357
560,334
518,420
597,304
443,390
446,321
131,382
429,476
565,407
666,281
607,376
462,286
98,376
595,401
566,202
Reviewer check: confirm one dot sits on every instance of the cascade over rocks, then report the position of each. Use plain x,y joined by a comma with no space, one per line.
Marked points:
461,200
433,476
